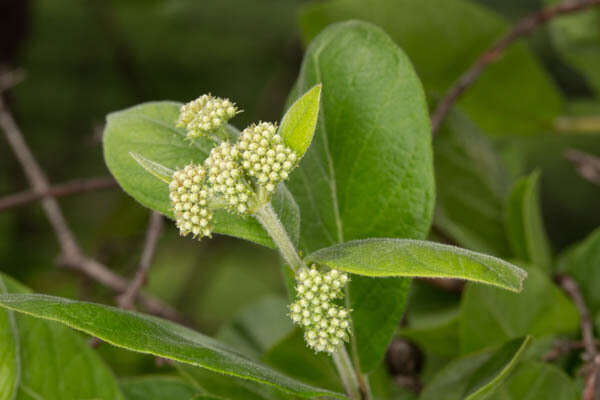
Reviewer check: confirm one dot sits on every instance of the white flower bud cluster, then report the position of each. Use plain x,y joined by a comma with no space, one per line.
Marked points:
325,324
206,114
226,179
264,155
189,199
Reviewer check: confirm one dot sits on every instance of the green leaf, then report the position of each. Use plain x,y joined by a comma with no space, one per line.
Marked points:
147,334
477,376
524,224
159,388
537,380
368,172
577,41
419,258
471,183
514,95
581,263
490,316
45,360
299,122
144,138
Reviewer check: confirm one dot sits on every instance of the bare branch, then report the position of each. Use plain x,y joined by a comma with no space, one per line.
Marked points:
72,255
10,79
155,227
523,28
76,186
587,332
587,165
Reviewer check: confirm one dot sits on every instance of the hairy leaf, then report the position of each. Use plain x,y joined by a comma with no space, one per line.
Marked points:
443,38
147,334
524,224
368,172
160,388
419,258
144,138
45,360
299,122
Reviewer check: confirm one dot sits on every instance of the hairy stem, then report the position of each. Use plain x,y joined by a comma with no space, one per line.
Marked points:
269,220
347,373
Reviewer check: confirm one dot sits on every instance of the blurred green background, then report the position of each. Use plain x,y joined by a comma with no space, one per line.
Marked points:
86,58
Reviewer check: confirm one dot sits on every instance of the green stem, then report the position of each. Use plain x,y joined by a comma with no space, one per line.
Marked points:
347,373
269,220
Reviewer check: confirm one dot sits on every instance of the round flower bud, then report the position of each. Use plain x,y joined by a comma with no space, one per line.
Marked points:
189,202
326,324
205,115
264,156
226,179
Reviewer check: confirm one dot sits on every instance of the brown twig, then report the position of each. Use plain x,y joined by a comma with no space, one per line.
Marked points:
155,227
76,186
523,28
587,165
72,256
10,79
592,357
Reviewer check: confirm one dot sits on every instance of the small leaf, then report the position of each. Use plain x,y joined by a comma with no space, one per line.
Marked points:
156,387
147,334
477,376
487,379
160,171
418,258
524,224
148,132
489,316
299,122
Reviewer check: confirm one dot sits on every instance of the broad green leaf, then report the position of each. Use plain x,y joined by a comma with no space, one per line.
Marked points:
144,138
419,258
159,388
524,224
258,326
576,37
471,183
53,362
582,262
537,380
443,38
368,172
490,316
437,334
299,122
477,376
147,334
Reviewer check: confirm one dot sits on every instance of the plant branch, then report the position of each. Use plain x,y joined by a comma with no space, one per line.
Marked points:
347,373
11,78
72,256
69,188
269,220
587,165
587,332
155,227
523,28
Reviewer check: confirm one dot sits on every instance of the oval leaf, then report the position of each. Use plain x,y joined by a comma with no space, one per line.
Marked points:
369,169
299,122
418,258
142,144
147,334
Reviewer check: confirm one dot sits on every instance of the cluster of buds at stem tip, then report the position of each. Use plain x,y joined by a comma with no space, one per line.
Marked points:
205,115
326,324
239,176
